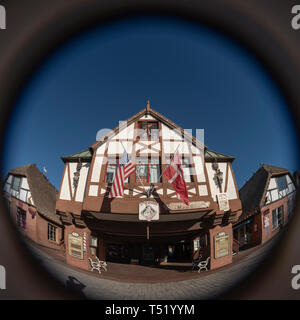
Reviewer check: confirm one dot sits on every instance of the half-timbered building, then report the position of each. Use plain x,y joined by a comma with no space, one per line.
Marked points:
31,199
268,200
114,229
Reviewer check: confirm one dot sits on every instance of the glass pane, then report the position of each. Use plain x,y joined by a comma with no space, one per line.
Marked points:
153,130
154,160
281,183
141,170
154,173
16,183
110,173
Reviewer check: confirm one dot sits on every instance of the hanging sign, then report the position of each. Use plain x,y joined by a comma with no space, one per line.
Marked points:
223,202
148,211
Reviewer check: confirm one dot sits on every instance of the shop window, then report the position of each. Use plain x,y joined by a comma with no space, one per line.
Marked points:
277,217
21,218
148,170
203,240
148,130
111,169
16,183
291,204
51,232
93,242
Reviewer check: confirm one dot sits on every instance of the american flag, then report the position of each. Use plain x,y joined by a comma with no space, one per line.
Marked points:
124,170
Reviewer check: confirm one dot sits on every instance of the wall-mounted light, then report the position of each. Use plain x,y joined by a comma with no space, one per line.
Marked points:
218,174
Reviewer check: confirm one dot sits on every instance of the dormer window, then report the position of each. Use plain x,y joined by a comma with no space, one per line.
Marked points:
16,183
148,130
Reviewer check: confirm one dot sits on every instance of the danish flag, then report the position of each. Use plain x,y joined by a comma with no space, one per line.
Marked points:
174,174
125,169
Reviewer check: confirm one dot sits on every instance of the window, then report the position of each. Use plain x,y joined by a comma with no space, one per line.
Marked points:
186,167
281,183
94,241
21,218
148,130
51,232
16,183
112,165
277,217
291,204
148,170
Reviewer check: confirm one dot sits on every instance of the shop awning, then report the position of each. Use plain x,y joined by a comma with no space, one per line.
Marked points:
243,223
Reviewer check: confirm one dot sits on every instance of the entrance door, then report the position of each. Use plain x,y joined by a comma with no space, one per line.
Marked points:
148,254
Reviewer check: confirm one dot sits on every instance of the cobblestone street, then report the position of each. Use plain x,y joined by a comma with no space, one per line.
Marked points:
196,286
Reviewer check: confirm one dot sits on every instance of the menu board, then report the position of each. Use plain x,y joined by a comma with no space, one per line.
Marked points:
222,245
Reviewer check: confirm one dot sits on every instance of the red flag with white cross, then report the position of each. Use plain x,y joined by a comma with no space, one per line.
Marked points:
174,175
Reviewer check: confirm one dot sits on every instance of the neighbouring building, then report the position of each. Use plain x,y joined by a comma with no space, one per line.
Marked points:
114,229
268,200
31,200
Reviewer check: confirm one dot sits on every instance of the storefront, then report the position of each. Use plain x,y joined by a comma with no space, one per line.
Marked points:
143,227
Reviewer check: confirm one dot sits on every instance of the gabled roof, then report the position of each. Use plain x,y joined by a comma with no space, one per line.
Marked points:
86,155
155,114
252,194
42,191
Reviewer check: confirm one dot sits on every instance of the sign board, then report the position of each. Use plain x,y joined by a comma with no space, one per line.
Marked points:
266,222
192,205
148,210
223,202
75,246
222,245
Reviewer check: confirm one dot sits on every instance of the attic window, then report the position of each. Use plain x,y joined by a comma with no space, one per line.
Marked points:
148,130
16,183
281,183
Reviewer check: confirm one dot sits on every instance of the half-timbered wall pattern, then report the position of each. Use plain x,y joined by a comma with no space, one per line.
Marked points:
279,187
19,190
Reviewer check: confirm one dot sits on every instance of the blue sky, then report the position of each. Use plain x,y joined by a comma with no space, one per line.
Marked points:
194,76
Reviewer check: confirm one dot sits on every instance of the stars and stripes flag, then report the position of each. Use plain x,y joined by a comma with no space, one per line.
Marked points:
124,170
174,174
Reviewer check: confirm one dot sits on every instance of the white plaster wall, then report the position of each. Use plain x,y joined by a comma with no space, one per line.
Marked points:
272,184
9,179
231,190
93,192
97,169
126,133
23,195
24,183
211,173
101,149
65,193
73,166
199,168
82,182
